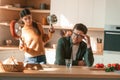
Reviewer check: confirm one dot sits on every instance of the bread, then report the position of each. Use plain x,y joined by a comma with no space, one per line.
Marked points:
33,67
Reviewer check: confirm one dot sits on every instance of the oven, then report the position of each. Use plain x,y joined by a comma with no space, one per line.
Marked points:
112,38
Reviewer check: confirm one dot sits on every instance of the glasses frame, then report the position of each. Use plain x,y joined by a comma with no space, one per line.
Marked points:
77,35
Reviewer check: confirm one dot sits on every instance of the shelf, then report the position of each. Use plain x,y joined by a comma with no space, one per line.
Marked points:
8,47
4,24
19,9
56,27
60,27
95,29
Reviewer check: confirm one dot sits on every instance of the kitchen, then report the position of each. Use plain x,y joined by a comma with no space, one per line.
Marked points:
95,21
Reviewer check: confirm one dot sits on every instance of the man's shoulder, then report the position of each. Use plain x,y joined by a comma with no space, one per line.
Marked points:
64,39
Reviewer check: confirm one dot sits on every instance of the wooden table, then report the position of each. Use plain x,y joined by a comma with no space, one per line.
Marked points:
54,72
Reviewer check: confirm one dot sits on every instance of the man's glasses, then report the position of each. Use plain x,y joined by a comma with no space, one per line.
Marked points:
77,35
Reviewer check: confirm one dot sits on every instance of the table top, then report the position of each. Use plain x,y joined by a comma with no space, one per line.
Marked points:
62,71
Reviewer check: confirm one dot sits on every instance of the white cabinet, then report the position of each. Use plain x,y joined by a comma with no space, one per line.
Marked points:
92,13
85,12
99,13
112,12
66,11
89,12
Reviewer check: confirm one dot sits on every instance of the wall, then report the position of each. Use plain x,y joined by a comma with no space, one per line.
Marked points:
5,34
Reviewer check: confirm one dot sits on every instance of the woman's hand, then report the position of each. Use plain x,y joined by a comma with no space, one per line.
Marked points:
51,29
23,47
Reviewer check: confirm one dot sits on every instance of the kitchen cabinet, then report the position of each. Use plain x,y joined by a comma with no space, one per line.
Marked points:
85,12
66,12
9,11
112,12
99,7
89,12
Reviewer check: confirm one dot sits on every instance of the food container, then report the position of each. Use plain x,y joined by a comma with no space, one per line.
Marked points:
8,42
12,67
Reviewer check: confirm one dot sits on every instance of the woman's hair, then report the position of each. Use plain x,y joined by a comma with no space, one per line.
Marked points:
24,12
81,27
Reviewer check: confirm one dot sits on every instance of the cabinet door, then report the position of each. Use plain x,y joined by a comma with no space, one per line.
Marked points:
113,12
66,11
85,12
99,13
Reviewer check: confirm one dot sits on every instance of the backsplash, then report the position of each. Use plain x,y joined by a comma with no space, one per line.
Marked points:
94,35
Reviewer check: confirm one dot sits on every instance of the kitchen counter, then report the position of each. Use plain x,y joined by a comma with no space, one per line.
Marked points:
51,72
8,47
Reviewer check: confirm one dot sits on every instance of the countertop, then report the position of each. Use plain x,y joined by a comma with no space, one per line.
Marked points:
8,47
55,71
11,47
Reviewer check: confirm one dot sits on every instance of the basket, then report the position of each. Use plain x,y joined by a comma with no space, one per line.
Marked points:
11,67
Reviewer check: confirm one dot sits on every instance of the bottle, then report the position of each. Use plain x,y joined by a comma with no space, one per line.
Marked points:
44,21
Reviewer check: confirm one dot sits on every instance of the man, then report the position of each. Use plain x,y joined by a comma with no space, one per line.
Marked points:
77,47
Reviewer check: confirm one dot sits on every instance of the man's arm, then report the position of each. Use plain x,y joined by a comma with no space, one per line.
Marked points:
60,52
88,57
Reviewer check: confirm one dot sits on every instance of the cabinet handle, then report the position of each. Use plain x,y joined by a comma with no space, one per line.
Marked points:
113,33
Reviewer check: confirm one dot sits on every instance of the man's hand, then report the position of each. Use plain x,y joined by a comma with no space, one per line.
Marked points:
81,63
87,40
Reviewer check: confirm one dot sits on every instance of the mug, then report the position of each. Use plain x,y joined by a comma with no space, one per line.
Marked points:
42,6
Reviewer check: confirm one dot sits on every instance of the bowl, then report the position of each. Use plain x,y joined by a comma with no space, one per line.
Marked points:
8,42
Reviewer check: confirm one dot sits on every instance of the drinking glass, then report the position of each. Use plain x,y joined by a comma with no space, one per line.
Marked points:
68,63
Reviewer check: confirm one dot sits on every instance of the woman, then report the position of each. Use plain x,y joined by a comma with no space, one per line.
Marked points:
33,39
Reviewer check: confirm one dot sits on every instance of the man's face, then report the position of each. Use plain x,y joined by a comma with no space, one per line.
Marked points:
77,36
27,19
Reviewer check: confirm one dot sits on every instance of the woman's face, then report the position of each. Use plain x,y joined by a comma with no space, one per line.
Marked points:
77,36
27,20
